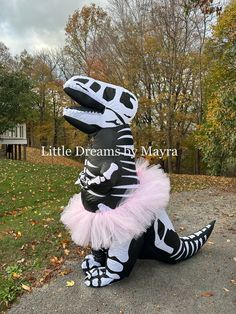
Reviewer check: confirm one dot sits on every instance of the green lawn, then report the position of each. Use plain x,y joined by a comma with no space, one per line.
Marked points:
31,237
34,244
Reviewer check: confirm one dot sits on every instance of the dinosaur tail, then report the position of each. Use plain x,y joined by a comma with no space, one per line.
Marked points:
191,244
164,244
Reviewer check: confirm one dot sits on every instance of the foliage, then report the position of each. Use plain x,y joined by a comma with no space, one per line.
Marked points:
11,285
217,136
6,60
83,29
149,48
221,52
206,6
16,99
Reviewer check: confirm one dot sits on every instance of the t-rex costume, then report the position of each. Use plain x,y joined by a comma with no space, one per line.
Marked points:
120,211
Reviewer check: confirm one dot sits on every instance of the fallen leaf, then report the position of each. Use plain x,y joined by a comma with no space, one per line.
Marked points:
20,261
235,259
16,275
207,294
46,276
64,243
55,261
49,219
66,252
70,283
25,287
226,290
65,272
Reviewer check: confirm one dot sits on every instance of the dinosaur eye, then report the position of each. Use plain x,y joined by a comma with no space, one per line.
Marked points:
109,93
95,86
82,80
125,100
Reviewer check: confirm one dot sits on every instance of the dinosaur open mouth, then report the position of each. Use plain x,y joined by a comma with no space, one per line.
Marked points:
87,103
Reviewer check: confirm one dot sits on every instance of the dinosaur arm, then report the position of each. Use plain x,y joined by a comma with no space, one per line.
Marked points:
107,179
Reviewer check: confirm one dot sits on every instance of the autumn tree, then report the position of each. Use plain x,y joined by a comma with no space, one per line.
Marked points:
153,50
6,59
16,99
217,135
83,30
41,69
16,96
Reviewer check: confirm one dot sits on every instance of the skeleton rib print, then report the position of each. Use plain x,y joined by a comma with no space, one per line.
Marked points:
121,170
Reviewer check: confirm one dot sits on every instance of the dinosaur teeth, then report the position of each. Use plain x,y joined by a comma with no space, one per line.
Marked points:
90,112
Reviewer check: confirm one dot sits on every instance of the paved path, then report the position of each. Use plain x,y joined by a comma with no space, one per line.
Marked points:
154,287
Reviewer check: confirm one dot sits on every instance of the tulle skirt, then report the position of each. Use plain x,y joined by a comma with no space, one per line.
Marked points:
129,220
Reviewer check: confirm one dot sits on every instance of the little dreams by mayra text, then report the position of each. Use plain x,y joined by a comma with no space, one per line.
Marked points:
79,151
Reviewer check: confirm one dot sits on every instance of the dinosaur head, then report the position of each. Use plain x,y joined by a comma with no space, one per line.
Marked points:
101,105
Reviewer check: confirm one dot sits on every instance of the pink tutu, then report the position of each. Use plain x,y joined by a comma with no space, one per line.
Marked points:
129,220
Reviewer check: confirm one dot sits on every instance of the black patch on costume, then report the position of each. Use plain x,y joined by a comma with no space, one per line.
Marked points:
172,239
84,99
125,100
100,256
82,80
95,86
82,126
161,229
109,93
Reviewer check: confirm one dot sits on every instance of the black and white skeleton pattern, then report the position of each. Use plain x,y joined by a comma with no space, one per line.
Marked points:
105,113
105,182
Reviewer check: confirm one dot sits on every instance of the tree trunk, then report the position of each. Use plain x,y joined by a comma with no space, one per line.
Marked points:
169,136
197,169
178,158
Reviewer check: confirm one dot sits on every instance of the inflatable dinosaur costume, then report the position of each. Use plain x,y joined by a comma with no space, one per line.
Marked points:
120,211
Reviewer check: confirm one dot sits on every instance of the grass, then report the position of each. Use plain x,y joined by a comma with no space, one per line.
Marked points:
31,237
34,244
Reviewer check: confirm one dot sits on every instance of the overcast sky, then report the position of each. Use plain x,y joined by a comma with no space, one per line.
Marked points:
36,24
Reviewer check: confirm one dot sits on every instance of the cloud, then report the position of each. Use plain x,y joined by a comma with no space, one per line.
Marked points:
35,24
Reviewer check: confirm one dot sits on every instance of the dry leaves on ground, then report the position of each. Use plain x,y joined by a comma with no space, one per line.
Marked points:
207,294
